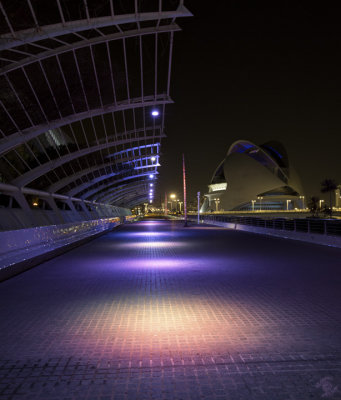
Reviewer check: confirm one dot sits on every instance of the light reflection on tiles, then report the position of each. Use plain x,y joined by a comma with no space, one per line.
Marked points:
151,244
143,234
162,263
162,325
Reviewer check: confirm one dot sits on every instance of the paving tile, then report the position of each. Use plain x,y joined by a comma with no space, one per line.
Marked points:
157,311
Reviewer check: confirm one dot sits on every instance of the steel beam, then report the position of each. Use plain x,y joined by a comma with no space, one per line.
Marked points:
122,194
110,196
35,173
101,178
25,135
8,40
71,178
105,185
137,200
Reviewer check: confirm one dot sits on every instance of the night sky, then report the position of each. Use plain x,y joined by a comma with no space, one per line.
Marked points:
257,73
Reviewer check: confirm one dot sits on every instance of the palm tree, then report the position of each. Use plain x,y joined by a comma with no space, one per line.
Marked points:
329,186
314,206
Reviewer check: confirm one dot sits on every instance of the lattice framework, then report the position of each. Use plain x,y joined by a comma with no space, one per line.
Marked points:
79,79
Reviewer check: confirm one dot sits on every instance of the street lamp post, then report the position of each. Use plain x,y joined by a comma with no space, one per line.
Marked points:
172,197
217,201
321,201
260,202
253,205
302,199
288,201
198,195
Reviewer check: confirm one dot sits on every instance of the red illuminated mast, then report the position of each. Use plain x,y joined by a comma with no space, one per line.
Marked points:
184,179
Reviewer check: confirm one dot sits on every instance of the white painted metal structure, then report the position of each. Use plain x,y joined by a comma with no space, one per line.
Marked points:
79,80
253,177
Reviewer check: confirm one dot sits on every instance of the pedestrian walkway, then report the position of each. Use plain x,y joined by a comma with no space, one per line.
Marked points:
154,310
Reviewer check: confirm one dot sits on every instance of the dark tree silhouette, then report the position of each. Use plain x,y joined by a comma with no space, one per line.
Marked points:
329,186
327,211
313,205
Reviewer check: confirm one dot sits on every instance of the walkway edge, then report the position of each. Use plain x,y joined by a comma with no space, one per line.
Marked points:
325,240
22,266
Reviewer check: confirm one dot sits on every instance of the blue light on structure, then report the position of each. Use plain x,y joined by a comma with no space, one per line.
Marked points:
151,184
153,159
151,176
275,151
155,113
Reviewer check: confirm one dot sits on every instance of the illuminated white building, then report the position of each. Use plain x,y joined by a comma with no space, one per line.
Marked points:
338,197
253,177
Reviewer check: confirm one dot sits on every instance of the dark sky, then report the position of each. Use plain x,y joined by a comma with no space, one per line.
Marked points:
257,73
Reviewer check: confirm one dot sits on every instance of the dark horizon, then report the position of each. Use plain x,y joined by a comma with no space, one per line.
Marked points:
256,74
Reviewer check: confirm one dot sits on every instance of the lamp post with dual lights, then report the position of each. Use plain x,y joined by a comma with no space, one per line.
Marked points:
217,201
260,198
172,197
302,200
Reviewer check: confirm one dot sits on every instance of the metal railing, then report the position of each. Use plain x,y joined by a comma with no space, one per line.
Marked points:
23,244
304,225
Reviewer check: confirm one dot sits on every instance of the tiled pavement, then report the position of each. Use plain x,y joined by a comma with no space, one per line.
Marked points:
157,311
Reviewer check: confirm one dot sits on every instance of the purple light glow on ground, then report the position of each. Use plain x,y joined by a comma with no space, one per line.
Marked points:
154,264
151,223
205,313
150,244
145,234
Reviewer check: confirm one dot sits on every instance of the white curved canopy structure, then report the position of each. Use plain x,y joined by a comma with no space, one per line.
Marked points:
79,80
254,177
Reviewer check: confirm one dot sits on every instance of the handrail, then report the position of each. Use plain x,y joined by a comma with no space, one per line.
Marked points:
330,227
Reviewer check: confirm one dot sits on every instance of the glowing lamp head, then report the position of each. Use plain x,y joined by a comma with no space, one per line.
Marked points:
153,159
172,196
151,184
151,176
155,113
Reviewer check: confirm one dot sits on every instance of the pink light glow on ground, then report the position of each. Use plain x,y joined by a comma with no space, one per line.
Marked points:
173,325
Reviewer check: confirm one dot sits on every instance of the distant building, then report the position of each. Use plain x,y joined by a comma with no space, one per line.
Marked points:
338,197
254,177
